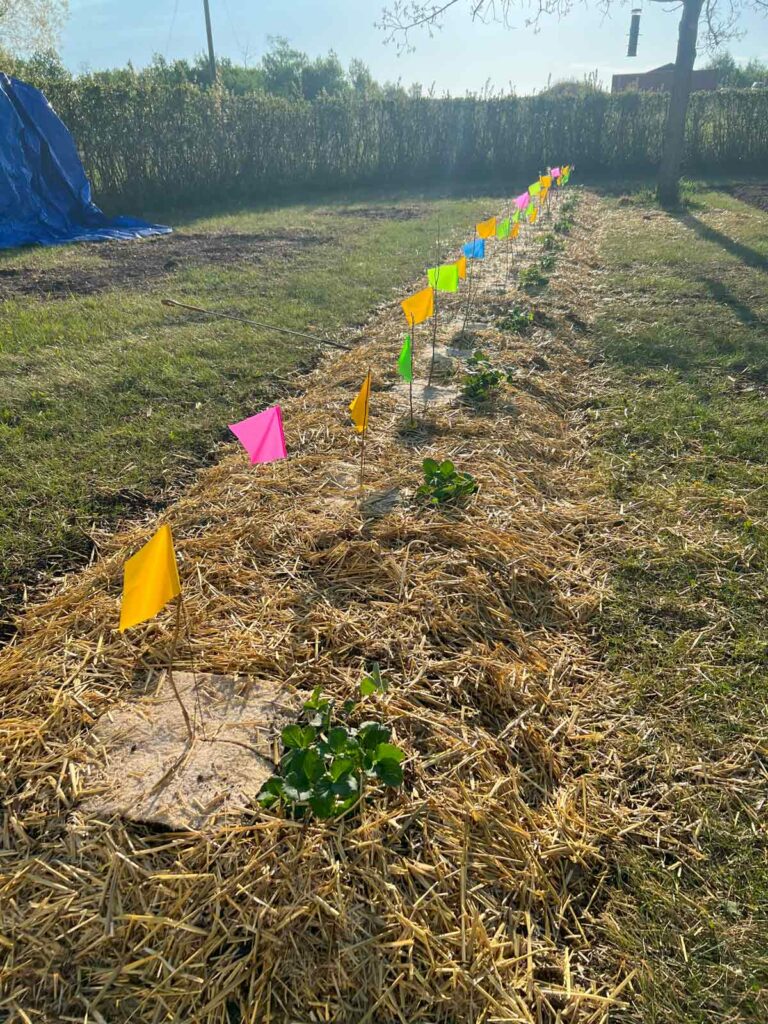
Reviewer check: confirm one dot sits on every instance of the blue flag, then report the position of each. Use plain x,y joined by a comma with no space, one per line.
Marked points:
475,250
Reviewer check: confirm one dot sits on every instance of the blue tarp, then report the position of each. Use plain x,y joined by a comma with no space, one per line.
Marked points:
45,197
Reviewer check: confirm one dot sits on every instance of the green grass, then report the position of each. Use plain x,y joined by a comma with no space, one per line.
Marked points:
683,446
109,399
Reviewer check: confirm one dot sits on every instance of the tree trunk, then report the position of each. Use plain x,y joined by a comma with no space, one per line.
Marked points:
668,185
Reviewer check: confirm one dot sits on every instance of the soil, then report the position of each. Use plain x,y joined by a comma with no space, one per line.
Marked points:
133,264
379,212
755,195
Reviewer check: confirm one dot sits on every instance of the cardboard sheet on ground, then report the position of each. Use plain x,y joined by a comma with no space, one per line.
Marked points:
224,769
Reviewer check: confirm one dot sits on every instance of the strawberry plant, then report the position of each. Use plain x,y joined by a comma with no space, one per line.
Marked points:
550,243
327,762
481,379
442,483
548,261
532,279
518,320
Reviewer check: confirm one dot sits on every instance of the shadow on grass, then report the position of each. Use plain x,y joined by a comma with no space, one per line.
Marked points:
722,294
751,257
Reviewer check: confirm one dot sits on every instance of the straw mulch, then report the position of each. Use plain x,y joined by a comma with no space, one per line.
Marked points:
473,895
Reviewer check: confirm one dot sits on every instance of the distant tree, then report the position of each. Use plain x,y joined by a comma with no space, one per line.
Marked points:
29,25
738,76
586,86
362,81
282,67
720,17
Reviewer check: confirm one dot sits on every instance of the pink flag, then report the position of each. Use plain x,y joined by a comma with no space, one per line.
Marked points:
522,201
262,435
555,172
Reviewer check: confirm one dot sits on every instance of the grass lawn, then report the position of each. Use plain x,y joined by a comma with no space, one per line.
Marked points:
682,444
108,398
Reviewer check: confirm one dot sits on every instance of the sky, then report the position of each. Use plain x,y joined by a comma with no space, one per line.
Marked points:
464,56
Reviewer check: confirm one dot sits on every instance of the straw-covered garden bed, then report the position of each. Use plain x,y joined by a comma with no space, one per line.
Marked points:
475,891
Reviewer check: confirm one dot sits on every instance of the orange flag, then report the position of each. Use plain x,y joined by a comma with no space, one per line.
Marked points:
150,581
515,231
359,408
546,180
486,228
461,263
419,307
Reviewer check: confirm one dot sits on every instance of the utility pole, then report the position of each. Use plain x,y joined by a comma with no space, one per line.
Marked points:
209,31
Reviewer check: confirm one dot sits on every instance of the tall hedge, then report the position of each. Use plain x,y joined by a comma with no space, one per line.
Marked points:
160,144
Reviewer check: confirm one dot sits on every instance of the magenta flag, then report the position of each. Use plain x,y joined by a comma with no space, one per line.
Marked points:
262,435
522,201
555,172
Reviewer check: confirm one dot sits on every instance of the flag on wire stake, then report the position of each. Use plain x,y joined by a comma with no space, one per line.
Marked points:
150,581
262,435
405,368
358,409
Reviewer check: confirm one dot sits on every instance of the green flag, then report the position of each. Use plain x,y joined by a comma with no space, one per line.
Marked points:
445,278
502,228
405,360
516,216
529,209
533,190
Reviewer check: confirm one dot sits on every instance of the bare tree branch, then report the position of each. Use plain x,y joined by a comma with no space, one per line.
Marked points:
402,17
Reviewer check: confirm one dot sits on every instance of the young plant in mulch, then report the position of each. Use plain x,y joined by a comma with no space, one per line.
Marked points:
517,320
550,243
563,224
444,484
532,279
481,379
327,762
548,261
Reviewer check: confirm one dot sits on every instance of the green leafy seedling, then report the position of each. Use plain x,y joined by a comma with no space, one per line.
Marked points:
532,279
325,763
482,378
443,483
517,320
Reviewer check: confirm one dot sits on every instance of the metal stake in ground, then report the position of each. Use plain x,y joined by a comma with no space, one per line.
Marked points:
435,314
469,282
410,382
365,425
256,323
172,655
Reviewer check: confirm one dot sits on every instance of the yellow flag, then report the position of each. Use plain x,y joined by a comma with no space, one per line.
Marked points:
515,231
533,216
359,408
546,180
419,307
461,263
543,196
150,580
486,228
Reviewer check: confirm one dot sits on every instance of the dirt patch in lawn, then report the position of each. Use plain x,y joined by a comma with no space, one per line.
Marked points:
755,195
379,212
133,264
